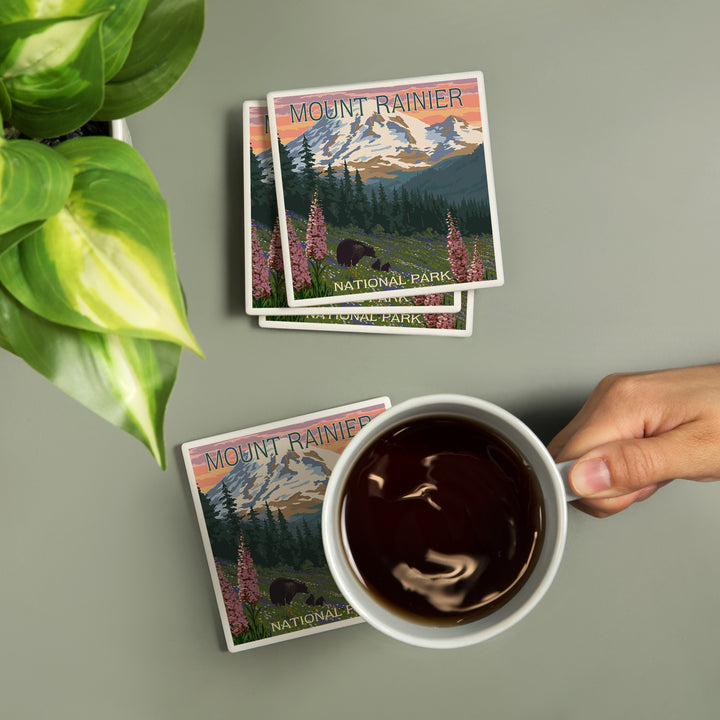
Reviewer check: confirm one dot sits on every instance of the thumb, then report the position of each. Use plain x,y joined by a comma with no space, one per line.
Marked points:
625,466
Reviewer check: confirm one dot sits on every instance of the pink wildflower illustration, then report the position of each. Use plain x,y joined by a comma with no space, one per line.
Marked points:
477,271
316,234
427,299
457,252
298,261
435,320
275,258
260,274
248,588
445,321
233,606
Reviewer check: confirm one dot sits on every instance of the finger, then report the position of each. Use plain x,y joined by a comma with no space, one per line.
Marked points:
622,467
558,446
605,507
603,425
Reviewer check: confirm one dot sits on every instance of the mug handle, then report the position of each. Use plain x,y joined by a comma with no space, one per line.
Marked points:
564,470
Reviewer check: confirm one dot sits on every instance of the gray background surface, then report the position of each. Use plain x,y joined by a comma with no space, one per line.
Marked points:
603,120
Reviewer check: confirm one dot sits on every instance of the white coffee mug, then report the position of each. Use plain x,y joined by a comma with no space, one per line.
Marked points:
555,491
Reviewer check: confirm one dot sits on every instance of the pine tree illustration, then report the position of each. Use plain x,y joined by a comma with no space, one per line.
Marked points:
253,532
270,537
231,517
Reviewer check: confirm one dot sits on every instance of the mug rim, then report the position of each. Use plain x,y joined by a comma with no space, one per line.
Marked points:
420,633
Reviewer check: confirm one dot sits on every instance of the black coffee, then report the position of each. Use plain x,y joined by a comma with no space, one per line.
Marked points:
442,519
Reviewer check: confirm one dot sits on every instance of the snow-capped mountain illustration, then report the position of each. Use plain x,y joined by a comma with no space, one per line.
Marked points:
381,146
294,482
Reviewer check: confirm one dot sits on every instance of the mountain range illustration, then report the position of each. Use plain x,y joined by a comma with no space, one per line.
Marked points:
293,482
383,146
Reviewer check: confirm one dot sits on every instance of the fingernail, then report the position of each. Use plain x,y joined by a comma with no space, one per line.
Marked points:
590,477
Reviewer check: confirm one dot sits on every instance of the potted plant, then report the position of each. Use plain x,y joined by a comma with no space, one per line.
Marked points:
89,292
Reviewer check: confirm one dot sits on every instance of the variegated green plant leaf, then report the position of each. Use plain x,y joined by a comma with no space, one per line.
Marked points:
125,380
12,10
4,342
35,182
53,72
13,237
5,104
101,153
105,261
163,46
117,30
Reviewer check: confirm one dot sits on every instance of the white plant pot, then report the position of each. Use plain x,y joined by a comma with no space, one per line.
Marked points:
120,131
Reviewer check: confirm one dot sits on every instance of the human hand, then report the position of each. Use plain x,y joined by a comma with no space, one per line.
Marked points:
637,432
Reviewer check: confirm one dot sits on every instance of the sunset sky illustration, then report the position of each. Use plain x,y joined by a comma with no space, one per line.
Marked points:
287,131
206,477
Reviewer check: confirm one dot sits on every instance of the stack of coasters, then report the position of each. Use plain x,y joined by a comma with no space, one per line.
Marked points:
370,207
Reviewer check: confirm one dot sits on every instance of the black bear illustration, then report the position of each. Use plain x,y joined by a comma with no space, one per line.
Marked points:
320,601
386,267
282,590
309,600
376,265
349,252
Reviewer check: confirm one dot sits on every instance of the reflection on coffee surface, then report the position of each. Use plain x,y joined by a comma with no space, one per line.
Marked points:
442,519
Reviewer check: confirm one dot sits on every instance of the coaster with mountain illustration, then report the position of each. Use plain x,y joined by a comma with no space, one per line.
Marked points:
264,267
258,495
453,324
400,172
